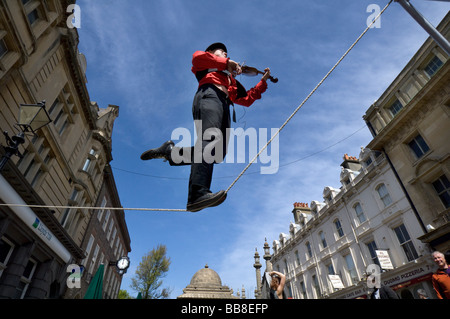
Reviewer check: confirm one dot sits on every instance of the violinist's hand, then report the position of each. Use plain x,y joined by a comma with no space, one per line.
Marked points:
234,67
266,75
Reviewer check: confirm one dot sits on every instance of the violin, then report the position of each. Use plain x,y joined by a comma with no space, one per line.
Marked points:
251,71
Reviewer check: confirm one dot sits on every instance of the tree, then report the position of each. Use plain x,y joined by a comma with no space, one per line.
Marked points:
153,267
123,294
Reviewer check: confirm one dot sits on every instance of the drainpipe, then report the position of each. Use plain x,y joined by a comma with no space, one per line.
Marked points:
9,196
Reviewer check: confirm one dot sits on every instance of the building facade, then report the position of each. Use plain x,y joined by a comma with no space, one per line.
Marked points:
393,210
410,122
65,164
332,244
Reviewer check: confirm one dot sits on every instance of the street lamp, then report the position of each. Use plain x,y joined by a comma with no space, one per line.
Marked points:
31,118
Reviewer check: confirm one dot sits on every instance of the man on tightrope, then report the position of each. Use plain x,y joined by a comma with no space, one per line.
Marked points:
217,90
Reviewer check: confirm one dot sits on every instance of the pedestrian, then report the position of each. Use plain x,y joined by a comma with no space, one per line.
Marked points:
441,278
384,292
422,294
277,285
217,90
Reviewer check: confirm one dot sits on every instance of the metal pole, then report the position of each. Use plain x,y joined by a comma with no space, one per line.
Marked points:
438,37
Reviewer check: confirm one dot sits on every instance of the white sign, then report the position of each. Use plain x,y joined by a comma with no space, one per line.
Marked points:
336,281
383,258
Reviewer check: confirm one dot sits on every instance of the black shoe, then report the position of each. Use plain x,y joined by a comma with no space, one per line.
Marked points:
207,200
161,152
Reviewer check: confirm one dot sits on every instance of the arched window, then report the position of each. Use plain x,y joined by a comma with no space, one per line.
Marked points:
384,195
359,213
337,224
308,249
322,239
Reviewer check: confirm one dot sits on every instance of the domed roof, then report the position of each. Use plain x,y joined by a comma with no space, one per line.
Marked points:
206,284
206,277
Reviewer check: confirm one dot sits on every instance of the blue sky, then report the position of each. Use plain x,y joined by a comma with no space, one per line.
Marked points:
139,57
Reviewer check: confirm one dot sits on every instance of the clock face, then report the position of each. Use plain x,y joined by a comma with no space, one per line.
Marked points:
123,263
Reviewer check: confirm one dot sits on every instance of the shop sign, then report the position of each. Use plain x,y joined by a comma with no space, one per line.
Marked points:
384,259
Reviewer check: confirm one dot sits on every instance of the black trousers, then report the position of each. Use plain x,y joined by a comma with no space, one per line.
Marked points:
211,113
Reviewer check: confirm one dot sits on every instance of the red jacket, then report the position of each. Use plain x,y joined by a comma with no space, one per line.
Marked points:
441,284
205,60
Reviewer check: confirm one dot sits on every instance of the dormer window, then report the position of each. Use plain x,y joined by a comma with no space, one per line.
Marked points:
329,193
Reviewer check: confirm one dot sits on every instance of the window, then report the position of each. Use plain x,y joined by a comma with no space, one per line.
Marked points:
368,162
316,286
359,213
433,66
68,214
88,249
418,146
406,242
111,224
308,249
6,249
3,48
25,279
40,15
35,161
303,290
442,187
323,241
297,257
351,268
384,195
330,269
62,110
372,246
94,259
33,16
100,211
395,107
337,224
105,222
91,157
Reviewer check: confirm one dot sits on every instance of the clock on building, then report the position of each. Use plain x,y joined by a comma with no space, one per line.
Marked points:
123,263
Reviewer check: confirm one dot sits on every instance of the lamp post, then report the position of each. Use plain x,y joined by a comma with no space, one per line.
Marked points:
267,256
31,118
257,266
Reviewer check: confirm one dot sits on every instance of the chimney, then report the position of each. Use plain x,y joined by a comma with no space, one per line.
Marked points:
300,208
351,163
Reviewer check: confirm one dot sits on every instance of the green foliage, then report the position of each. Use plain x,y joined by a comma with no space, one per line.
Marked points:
123,294
153,267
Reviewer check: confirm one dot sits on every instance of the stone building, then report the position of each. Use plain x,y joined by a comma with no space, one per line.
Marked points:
206,284
410,122
392,208
331,243
64,164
